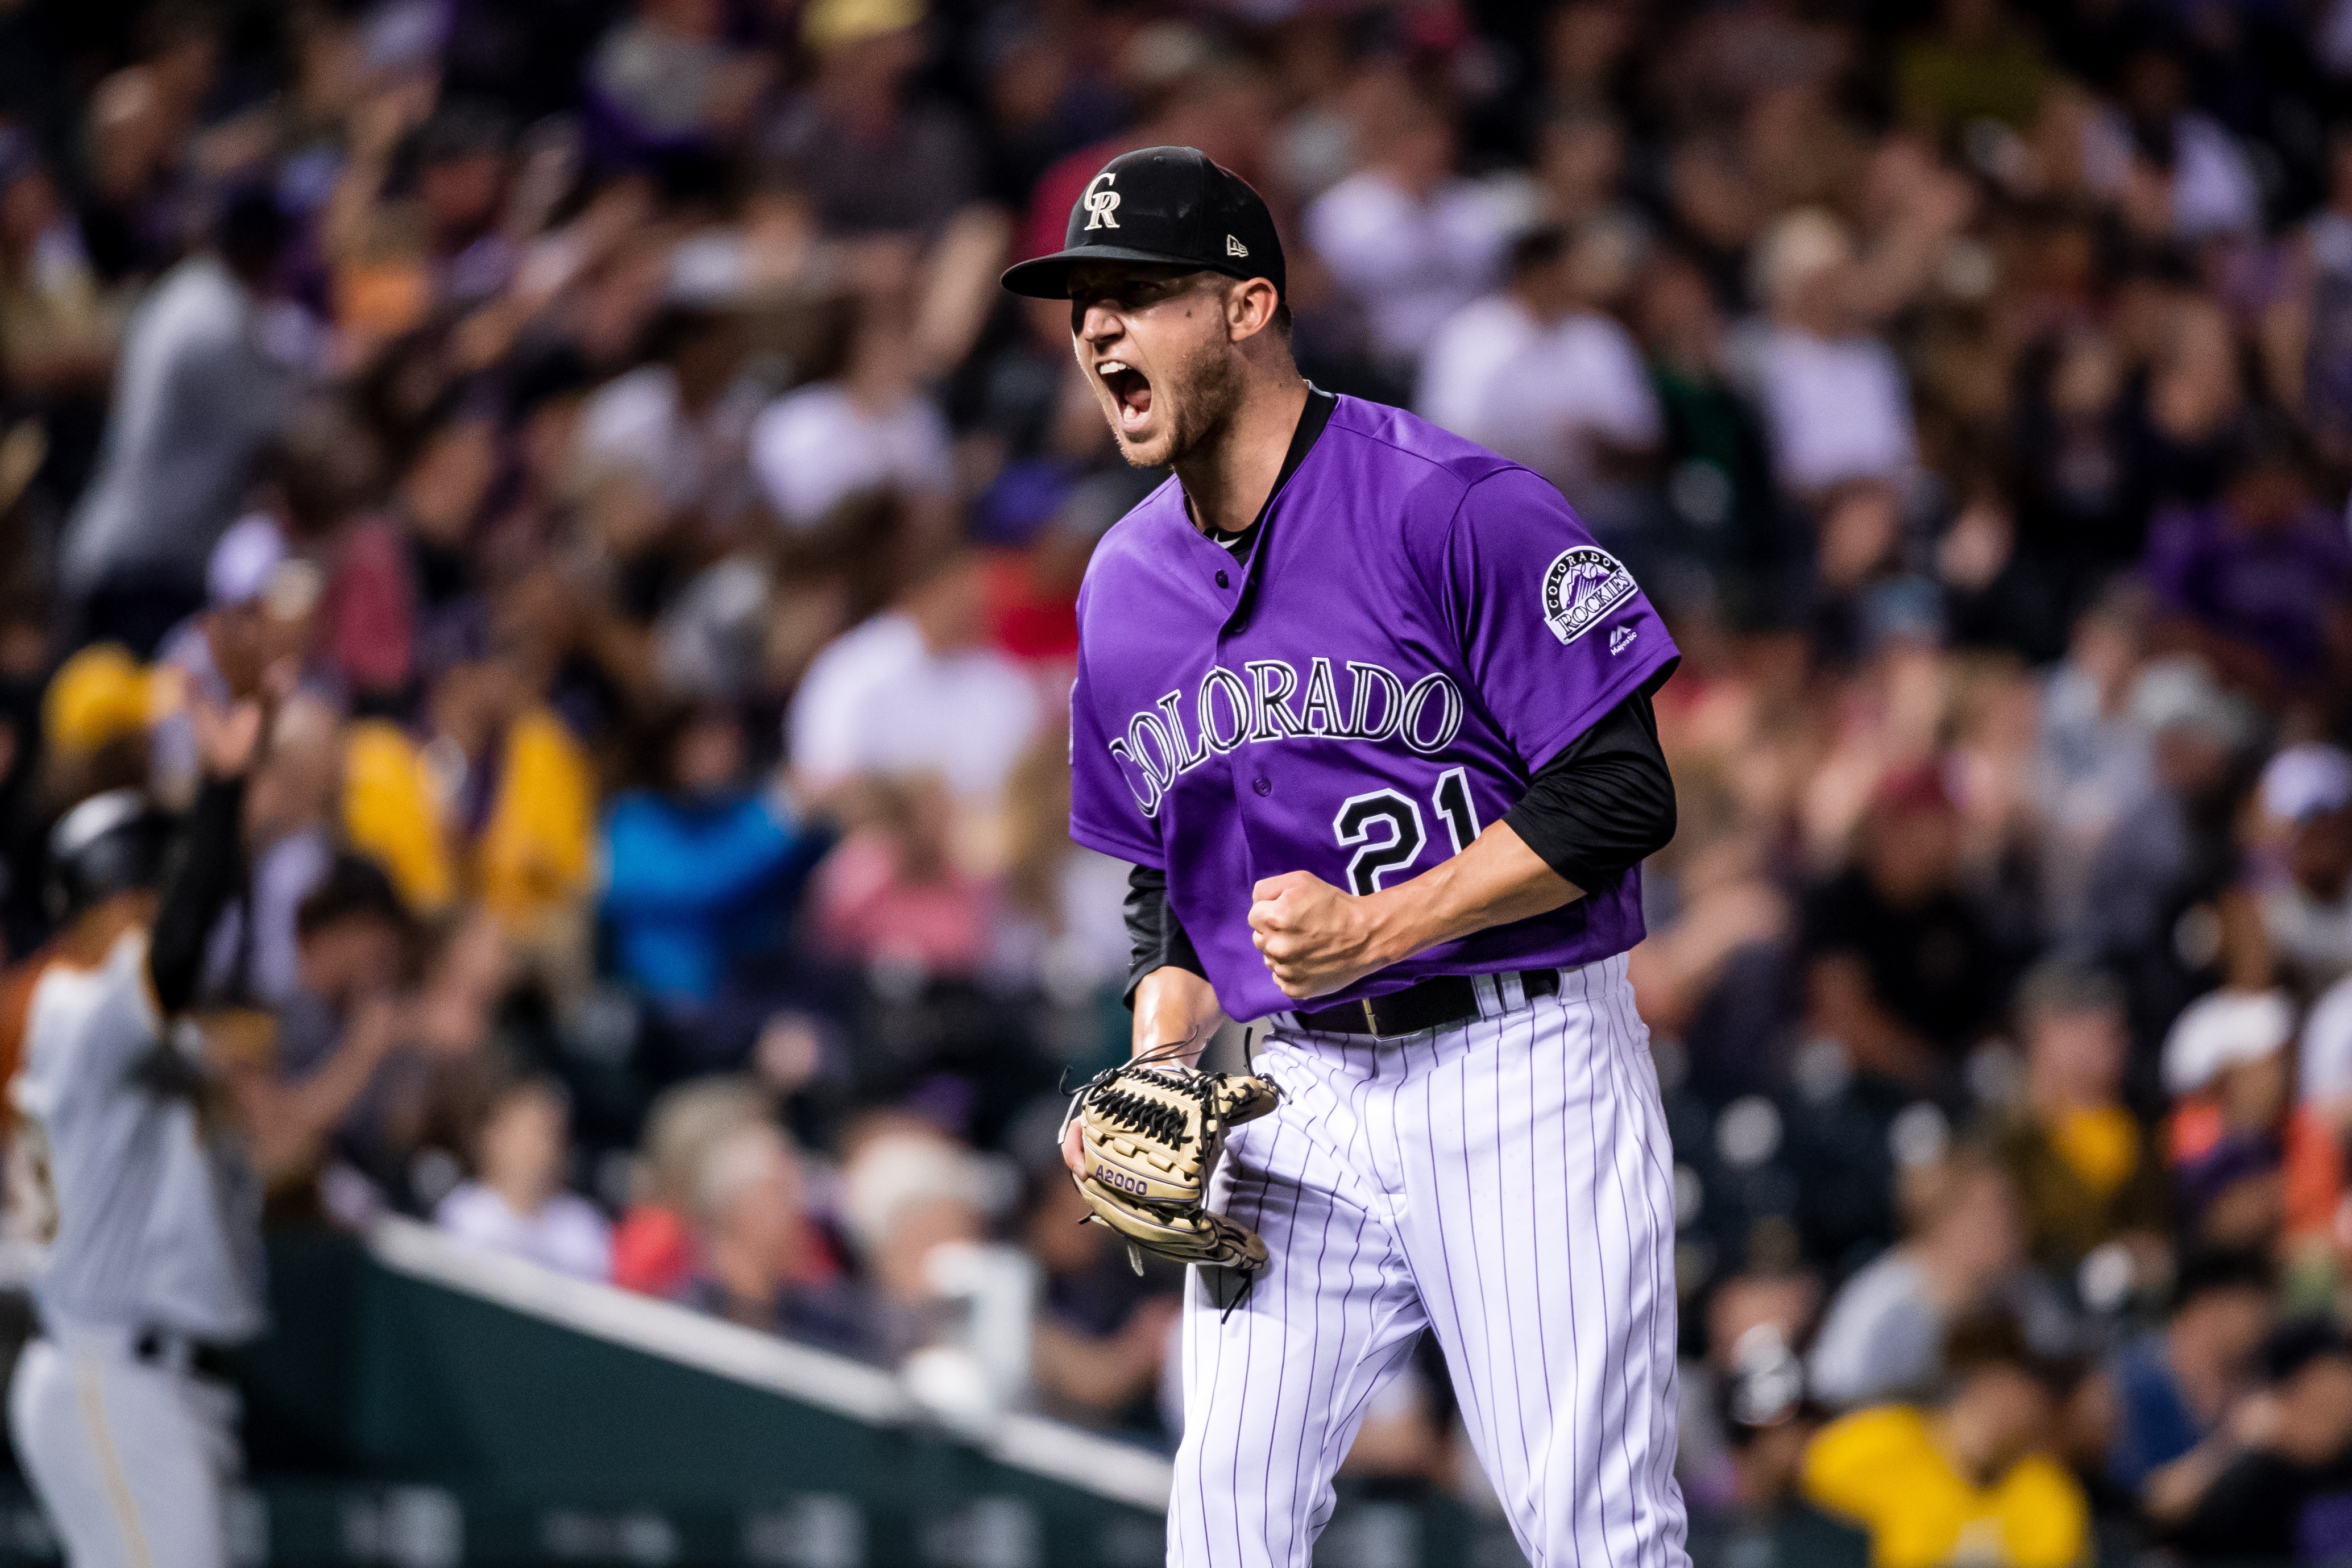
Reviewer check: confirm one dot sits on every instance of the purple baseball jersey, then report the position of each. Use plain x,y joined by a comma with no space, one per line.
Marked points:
1419,627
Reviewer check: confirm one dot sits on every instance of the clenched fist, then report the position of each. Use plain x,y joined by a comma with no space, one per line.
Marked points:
1314,938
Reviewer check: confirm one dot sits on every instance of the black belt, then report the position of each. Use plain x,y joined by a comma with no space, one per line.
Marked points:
162,1347
1434,1004
151,1346
154,1347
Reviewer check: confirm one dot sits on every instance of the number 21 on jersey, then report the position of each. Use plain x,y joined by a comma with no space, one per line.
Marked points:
1385,826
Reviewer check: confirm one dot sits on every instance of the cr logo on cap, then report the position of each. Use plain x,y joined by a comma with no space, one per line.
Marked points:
1100,205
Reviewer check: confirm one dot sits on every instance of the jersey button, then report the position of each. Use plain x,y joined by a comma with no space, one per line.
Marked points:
1263,785
1223,582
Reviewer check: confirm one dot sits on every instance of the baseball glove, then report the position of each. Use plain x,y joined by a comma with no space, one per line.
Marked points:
1151,1132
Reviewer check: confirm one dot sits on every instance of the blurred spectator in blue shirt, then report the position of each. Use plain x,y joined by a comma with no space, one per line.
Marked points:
2173,1386
699,870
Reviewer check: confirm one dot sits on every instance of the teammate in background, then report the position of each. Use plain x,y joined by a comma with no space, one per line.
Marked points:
1369,711
123,1162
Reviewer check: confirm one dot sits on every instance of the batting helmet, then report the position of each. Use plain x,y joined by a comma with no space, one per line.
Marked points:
111,843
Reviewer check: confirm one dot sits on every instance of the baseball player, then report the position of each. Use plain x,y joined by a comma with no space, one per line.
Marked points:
121,1163
1368,709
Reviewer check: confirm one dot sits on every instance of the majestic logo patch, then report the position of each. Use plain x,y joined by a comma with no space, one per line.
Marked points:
1234,246
1101,204
1581,586
1622,637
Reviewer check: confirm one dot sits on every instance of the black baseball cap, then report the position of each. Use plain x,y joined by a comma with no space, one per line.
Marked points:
1172,207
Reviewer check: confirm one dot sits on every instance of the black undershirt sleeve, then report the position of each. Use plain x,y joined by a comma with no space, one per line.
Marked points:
1155,937
198,888
1605,804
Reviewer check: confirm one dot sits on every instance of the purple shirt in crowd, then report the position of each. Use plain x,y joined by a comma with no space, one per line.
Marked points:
2271,589
1419,625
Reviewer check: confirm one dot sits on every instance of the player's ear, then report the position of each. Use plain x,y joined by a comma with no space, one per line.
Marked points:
1249,308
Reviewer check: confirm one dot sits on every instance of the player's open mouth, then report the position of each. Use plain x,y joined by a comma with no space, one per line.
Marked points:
1129,388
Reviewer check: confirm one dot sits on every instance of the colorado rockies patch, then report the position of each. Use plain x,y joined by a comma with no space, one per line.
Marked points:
1581,586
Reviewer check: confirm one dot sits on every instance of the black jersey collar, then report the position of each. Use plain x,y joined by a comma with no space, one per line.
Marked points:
1312,419
1310,429
1303,436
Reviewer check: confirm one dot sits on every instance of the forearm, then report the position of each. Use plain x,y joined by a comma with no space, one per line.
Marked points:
313,1107
1173,1005
1167,985
2173,1491
200,887
1498,879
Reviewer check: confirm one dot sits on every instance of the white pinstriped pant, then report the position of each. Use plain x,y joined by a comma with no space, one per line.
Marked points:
131,1461
1505,1183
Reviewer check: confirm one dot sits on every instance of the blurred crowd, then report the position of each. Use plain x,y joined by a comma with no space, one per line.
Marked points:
660,871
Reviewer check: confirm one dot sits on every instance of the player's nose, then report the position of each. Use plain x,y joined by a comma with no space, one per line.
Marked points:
1097,323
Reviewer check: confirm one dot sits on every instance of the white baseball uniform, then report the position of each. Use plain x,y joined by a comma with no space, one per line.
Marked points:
1505,1183
1418,630
153,1223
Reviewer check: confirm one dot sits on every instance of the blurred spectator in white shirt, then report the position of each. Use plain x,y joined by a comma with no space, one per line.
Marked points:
516,1203
2307,897
197,395
821,445
1883,1335
2170,169
2094,759
869,429
682,418
1412,240
917,690
1537,374
669,77
1836,407
2323,1058
908,1190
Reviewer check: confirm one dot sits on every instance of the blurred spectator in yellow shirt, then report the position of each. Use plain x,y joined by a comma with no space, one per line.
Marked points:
501,799
1976,62
2084,1170
1969,1478
95,713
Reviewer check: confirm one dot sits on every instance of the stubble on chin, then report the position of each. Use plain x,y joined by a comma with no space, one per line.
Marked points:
1156,453
1200,403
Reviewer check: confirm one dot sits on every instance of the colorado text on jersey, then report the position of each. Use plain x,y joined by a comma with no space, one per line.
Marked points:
1230,711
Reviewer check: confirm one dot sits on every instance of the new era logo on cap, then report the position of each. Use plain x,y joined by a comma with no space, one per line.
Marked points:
1161,207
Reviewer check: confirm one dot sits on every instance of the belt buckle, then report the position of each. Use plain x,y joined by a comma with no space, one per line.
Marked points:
1371,1019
